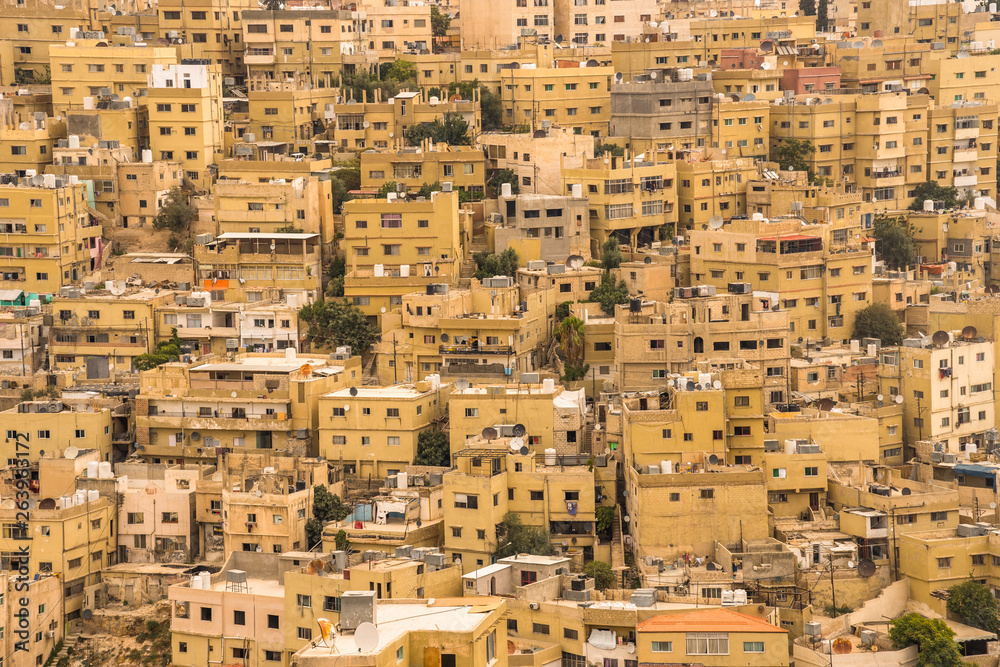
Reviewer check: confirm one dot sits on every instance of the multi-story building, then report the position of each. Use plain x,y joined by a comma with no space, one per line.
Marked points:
962,146
53,426
924,22
599,24
44,630
266,509
21,352
820,280
947,389
50,237
185,411
542,227
463,167
157,518
712,187
710,634
631,197
564,283
568,94
186,119
205,31
374,431
502,24
537,158
398,29
299,205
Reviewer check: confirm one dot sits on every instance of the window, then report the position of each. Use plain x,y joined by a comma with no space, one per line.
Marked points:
939,516
305,633
206,613
303,600
662,647
707,643
707,493
239,617
466,501
753,647
944,562
540,628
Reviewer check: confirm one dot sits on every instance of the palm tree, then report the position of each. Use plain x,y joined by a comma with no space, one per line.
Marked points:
572,335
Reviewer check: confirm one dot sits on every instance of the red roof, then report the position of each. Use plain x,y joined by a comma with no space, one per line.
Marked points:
707,620
790,237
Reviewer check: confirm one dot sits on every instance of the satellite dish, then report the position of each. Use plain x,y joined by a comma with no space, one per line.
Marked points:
366,638
841,645
306,369
71,452
647,260
383,309
516,444
32,503
715,222
353,391
880,397
993,506
196,436
233,395
710,566
47,504
765,65
905,491
850,564
962,54
899,399
993,288
716,385
444,338
524,451
489,433
626,518
866,567
713,459
940,338
461,384
690,385
87,614
749,97
969,332
519,430
574,262
347,407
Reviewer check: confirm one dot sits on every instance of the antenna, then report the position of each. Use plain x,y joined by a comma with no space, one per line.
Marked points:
899,399
366,638
71,452
461,384
713,459
519,430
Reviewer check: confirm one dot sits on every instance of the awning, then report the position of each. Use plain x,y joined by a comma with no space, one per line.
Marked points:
988,472
603,639
10,294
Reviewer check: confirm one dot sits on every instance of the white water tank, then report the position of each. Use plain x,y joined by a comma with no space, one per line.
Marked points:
401,480
292,300
93,495
663,465
206,580
92,469
668,467
289,354
577,191
435,380
548,385
104,470
705,379
790,446
872,350
979,203
147,155
378,270
195,582
88,102
855,345
505,189
74,141
550,456
404,270
929,205
64,502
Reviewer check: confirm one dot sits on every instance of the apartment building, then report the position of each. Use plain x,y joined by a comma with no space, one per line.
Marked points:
102,332
290,111
542,227
29,143
203,31
762,84
537,158
716,636
503,24
937,559
631,197
552,416
157,518
34,29
490,480
182,418
568,94
21,338
492,332
711,185
315,43
463,167
947,389
46,628
795,476
94,68
925,22
563,283
374,431
185,118
98,165
299,205
265,510
656,339
398,28
820,283
50,237
962,146
597,23
143,188
53,426
251,266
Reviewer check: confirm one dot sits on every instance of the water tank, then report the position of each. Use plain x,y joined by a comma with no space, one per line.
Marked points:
378,271
93,495
855,346
147,155
195,582
577,191
790,446
64,502
929,205
289,354
705,379
550,456
971,448
88,103
872,350
206,580
668,467
404,270
104,470
92,469
505,190
548,385
664,464
980,203
74,141
435,380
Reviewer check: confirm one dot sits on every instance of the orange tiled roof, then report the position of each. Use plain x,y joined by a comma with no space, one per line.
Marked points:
707,620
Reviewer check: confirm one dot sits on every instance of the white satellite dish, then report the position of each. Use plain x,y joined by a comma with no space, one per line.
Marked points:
850,564
347,407
717,385
765,65
383,309
715,222
71,452
233,394
366,638
118,287
899,398
880,397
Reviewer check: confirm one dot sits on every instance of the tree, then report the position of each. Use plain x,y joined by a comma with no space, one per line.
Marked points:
611,254
822,16
601,573
975,605
516,538
273,5
433,449
426,190
491,109
502,176
165,352
337,322
177,214
793,154
340,540
935,192
453,130
878,321
326,507
934,639
807,7
400,70
605,520
571,334
609,293
894,241
386,188
440,22
490,264
610,149
562,310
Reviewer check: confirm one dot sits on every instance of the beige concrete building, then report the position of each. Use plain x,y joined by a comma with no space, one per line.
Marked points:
537,158
542,227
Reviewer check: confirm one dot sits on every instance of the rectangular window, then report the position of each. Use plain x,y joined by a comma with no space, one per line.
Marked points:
707,643
662,647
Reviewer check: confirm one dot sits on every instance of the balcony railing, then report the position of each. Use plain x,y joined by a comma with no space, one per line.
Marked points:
476,349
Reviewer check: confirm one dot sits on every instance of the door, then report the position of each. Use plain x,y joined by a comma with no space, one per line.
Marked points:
97,368
814,500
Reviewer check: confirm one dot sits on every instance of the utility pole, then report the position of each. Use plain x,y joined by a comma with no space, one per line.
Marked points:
395,365
833,589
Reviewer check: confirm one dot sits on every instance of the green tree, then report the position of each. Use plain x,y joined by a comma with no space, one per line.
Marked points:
440,22
610,149
878,321
452,130
273,5
328,506
426,190
935,192
433,449
934,639
562,309
793,154
490,264
611,254
386,188
337,322
574,372
502,176
894,241
177,214
165,352
807,7
335,272
601,573
571,334
517,538
400,70
609,293
338,194
975,605
340,540
822,15
491,109
362,86
605,520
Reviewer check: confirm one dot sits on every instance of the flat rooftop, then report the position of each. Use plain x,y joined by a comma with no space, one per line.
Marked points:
396,391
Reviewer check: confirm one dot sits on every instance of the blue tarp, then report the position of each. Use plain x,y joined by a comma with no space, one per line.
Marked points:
974,470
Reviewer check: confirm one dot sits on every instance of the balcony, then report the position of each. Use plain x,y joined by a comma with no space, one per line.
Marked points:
966,132
888,177
251,58
965,180
478,350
